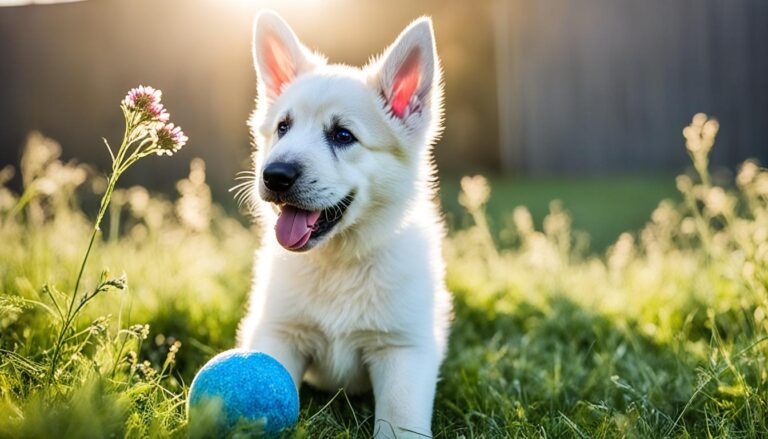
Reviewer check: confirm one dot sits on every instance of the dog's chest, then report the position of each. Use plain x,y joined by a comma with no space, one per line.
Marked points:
347,303
341,318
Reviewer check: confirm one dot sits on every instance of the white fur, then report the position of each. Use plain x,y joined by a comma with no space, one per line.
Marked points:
366,307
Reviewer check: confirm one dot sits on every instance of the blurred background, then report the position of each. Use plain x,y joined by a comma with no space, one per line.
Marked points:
580,101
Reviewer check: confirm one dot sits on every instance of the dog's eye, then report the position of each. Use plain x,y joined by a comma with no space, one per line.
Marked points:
282,128
342,136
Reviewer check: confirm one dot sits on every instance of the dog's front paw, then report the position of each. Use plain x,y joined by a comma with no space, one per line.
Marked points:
387,430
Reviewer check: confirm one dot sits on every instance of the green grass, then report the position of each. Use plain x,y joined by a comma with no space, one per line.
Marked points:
664,334
603,207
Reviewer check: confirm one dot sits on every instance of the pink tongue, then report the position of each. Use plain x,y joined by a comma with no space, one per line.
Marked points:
294,226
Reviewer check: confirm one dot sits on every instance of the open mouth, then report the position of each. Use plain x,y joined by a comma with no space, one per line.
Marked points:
296,226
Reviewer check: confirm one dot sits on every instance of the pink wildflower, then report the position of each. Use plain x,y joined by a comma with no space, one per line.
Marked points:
146,100
170,139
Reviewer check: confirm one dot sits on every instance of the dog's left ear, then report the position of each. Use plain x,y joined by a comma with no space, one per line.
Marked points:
407,72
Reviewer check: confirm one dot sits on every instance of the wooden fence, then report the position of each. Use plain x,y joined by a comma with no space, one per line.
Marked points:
607,85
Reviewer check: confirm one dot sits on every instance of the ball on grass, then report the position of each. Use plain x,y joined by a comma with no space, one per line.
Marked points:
243,385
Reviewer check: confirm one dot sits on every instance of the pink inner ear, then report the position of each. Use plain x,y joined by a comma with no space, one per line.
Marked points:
405,83
279,63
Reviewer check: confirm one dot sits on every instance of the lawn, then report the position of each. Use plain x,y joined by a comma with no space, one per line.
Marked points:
662,334
603,207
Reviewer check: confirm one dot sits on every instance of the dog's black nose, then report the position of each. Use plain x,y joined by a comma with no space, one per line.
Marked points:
279,177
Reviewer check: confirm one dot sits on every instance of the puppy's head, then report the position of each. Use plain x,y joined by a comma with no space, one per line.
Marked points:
341,149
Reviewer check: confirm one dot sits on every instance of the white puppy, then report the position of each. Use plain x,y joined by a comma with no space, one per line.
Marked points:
349,288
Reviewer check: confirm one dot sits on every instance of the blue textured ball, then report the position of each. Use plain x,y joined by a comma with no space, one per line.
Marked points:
248,385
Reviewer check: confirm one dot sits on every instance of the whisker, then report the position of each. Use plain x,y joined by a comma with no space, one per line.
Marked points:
239,194
240,185
244,193
337,212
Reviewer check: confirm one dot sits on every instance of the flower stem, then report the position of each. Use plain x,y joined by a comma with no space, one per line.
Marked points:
70,316
144,116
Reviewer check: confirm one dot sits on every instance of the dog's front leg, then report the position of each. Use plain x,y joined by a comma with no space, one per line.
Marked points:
404,380
281,350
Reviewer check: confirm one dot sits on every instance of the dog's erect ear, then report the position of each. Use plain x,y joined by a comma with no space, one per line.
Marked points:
278,54
407,71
